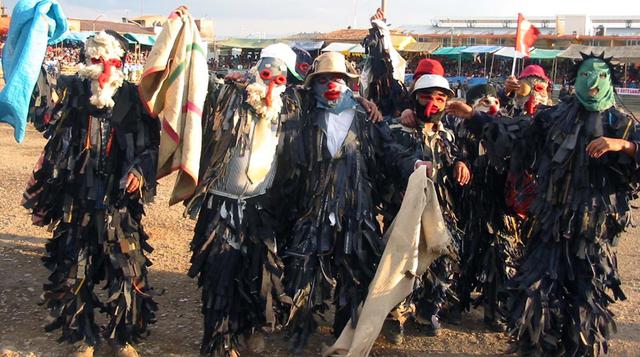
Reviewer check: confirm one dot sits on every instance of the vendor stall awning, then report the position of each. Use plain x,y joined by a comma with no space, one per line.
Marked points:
481,49
308,45
421,47
145,40
539,53
508,52
620,53
449,51
339,47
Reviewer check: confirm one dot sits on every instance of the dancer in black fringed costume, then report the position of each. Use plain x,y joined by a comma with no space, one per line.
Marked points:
491,244
89,186
434,142
336,243
248,153
585,155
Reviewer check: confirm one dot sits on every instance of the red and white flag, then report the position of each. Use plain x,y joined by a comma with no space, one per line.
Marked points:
526,35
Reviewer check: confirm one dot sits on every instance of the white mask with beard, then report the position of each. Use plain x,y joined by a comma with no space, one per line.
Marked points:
103,68
264,92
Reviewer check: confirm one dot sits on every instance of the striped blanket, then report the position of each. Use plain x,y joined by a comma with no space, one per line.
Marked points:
173,87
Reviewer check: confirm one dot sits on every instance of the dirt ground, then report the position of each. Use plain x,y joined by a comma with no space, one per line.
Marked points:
178,330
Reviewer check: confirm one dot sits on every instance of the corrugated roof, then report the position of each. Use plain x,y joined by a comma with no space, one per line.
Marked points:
247,43
621,53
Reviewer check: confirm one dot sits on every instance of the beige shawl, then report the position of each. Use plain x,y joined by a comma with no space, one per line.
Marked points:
173,88
417,236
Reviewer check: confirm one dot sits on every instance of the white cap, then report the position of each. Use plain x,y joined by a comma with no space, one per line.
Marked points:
284,53
433,81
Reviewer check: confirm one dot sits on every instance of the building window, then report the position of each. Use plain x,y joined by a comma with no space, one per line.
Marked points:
633,42
471,42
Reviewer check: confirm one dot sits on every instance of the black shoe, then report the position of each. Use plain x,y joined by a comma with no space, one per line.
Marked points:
432,330
394,332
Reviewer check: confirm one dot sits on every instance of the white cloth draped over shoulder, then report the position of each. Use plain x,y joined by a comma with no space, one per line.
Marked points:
417,236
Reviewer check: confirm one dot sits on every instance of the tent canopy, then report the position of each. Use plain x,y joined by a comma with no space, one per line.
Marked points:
145,40
620,53
508,52
400,41
339,47
481,49
308,45
449,51
544,54
421,47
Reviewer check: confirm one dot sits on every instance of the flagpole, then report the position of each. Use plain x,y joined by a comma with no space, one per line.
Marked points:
515,47
515,58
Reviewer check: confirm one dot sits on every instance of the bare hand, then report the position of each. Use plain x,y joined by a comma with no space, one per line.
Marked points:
379,15
459,109
374,114
428,164
461,173
511,85
408,118
133,183
602,145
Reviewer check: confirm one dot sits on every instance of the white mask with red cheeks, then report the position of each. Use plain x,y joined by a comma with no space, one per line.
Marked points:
103,67
329,88
488,104
265,90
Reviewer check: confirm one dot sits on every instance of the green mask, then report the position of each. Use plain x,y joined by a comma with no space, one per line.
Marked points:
594,88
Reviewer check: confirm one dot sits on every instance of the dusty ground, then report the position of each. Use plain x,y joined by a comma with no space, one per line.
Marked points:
178,329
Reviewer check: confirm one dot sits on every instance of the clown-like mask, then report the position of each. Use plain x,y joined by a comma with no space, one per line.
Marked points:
533,91
594,87
103,67
488,104
429,105
268,84
329,88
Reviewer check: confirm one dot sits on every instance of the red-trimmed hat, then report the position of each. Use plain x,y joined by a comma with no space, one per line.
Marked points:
535,71
428,66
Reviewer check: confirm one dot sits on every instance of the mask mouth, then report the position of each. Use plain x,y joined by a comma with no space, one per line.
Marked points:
594,91
332,95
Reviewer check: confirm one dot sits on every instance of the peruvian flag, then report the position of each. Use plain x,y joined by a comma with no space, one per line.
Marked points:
526,35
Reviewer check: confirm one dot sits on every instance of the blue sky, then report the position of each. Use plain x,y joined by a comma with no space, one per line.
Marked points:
266,17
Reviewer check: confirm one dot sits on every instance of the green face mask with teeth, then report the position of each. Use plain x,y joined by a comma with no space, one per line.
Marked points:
594,88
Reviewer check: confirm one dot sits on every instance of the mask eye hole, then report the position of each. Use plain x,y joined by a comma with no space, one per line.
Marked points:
322,80
539,88
584,74
304,67
603,75
265,74
280,80
95,60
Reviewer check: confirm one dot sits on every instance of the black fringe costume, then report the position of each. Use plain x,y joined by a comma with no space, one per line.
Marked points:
491,245
235,244
78,191
336,243
559,299
436,289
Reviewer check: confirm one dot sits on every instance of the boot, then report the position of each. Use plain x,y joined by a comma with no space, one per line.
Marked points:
83,350
394,331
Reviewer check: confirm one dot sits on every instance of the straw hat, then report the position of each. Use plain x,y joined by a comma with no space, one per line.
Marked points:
331,62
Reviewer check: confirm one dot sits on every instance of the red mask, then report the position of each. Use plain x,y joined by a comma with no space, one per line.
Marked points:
106,71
